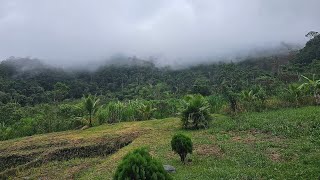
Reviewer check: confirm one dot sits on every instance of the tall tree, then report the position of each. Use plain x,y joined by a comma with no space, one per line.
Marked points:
312,34
60,91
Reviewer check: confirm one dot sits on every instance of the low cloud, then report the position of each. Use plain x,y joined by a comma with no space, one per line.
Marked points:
74,31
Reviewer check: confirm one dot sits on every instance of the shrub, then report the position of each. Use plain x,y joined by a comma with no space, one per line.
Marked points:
102,116
70,111
253,100
140,165
166,108
115,112
136,110
182,145
146,111
216,103
196,112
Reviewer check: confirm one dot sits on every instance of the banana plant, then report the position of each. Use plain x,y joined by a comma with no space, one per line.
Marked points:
294,92
312,85
146,111
248,95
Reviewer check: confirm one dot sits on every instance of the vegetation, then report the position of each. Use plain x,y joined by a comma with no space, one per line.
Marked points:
195,113
311,51
46,100
43,99
312,86
265,119
255,145
91,106
138,165
182,145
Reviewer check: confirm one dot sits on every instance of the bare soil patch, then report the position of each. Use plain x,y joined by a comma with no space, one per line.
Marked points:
104,146
274,154
254,136
208,150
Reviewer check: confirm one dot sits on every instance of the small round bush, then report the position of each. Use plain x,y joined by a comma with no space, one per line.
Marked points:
138,165
182,145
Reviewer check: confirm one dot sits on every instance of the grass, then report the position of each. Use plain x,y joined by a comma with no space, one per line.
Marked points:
281,144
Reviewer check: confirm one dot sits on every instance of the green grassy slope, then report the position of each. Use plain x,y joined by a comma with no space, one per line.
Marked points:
280,144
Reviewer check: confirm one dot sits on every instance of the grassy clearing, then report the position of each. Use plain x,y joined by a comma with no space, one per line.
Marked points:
280,144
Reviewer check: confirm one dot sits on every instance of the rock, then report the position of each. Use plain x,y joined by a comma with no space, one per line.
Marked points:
169,168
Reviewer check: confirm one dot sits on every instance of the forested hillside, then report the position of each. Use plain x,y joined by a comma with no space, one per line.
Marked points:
159,90
38,98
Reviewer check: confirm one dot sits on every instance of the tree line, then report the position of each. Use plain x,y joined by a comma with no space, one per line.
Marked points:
35,98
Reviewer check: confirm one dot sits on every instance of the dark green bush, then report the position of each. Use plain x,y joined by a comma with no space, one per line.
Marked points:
70,110
196,112
138,165
182,145
166,108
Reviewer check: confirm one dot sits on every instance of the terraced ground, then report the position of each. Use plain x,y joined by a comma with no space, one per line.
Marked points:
281,144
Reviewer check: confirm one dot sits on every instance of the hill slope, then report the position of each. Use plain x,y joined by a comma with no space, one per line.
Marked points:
277,144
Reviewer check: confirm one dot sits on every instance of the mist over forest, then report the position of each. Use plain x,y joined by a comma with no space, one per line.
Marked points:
178,32
166,89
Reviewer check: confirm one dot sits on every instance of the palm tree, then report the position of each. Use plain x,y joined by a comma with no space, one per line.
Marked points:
312,85
91,105
195,113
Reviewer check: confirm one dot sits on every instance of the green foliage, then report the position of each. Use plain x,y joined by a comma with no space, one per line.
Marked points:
4,98
310,52
9,114
195,113
248,95
289,123
244,147
166,108
140,81
253,100
232,98
137,110
31,91
90,104
102,115
201,86
44,118
71,114
138,165
216,103
60,91
292,95
182,145
312,86
119,111
25,127
70,110
145,111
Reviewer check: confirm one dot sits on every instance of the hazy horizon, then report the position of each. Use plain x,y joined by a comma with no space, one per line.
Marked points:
171,31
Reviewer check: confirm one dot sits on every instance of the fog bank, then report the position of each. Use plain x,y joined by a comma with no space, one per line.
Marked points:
171,31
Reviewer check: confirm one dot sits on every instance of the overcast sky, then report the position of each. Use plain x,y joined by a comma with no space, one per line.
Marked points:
84,30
